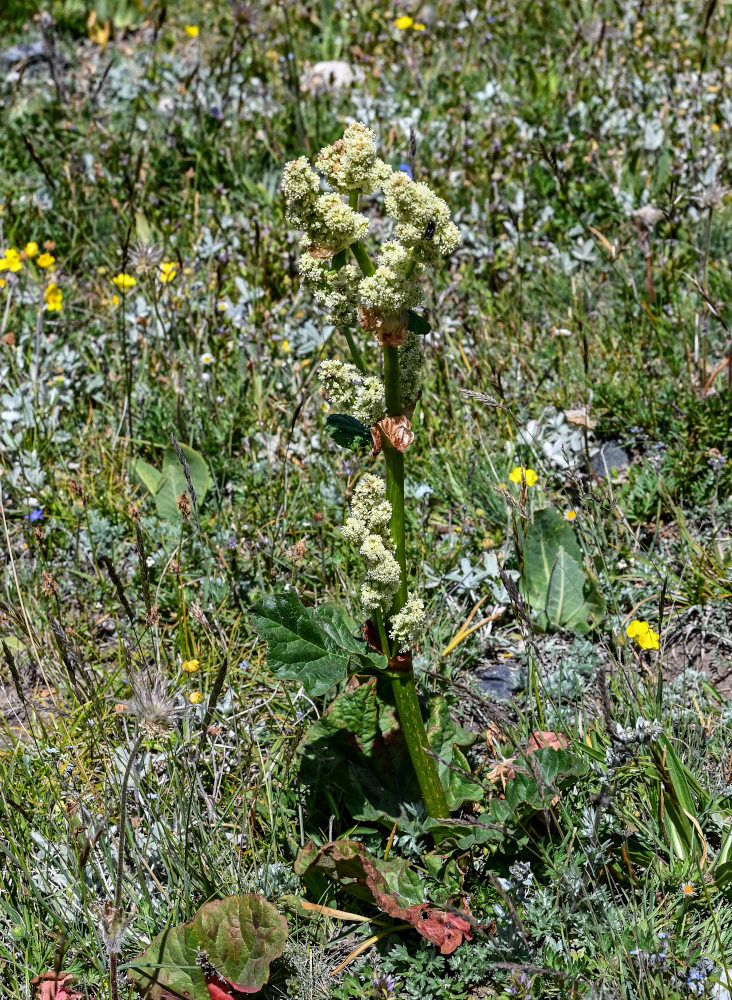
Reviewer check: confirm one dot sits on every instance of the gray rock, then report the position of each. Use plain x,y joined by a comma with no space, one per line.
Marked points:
330,75
24,52
497,680
610,456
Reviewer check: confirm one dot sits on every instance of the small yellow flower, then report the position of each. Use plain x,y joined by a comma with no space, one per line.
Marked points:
191,30
168,271
123,280
53,297
115,300
195,697
190,666
31,249
419,27
10,261
404,22
569,515
46,260
520,472
285,345
687,889
3,282
643,634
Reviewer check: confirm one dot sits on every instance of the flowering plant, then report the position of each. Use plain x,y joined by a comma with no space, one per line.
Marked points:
378,298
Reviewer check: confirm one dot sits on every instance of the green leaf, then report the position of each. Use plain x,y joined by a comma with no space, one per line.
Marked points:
241,936
417,324
348,432
315,647
358,748
554,582
143,473
167,486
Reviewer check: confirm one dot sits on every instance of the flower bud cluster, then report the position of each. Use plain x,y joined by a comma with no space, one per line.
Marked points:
337,290
391,288
368,527
422,219
628,742
351,164
346,387
331,225
408,624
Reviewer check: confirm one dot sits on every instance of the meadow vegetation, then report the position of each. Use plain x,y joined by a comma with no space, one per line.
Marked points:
194,728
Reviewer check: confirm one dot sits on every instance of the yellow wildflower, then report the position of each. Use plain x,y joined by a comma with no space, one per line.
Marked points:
3,282
115,300
195,697
419,27
643,634
191,30
46,260
31,249
404,22
53,297
285,345
123,280
520,472
168,271
11,261
190,666
687,889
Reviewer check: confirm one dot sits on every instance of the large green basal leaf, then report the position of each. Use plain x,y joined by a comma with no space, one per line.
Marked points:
316,647
167,485
554,583
225,951
358,748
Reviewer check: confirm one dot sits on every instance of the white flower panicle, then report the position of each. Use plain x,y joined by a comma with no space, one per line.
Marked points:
351,164
361,395
334,225
422,219
392,288
301,187
337,290
408,624
368,527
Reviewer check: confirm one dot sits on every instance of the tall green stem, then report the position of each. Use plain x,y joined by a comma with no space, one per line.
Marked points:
402,678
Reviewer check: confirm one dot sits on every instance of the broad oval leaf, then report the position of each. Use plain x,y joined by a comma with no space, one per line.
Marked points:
224,952
348,432
318,648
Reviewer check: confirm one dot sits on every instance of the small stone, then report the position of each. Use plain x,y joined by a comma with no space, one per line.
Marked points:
24,52
497,680
328,76
608,458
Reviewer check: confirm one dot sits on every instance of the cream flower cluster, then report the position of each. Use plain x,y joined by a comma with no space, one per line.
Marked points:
337,290
408,624
422,219
368,527
423,232
358,394
351,164
330,223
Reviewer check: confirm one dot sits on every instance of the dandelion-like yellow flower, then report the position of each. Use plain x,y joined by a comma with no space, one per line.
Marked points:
520,472
687,889
285,345
569,515
404,22
123,280
191,30
643,634
3,282
168,271
53,297
195,697
190,666
10,261
31,249
46,260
